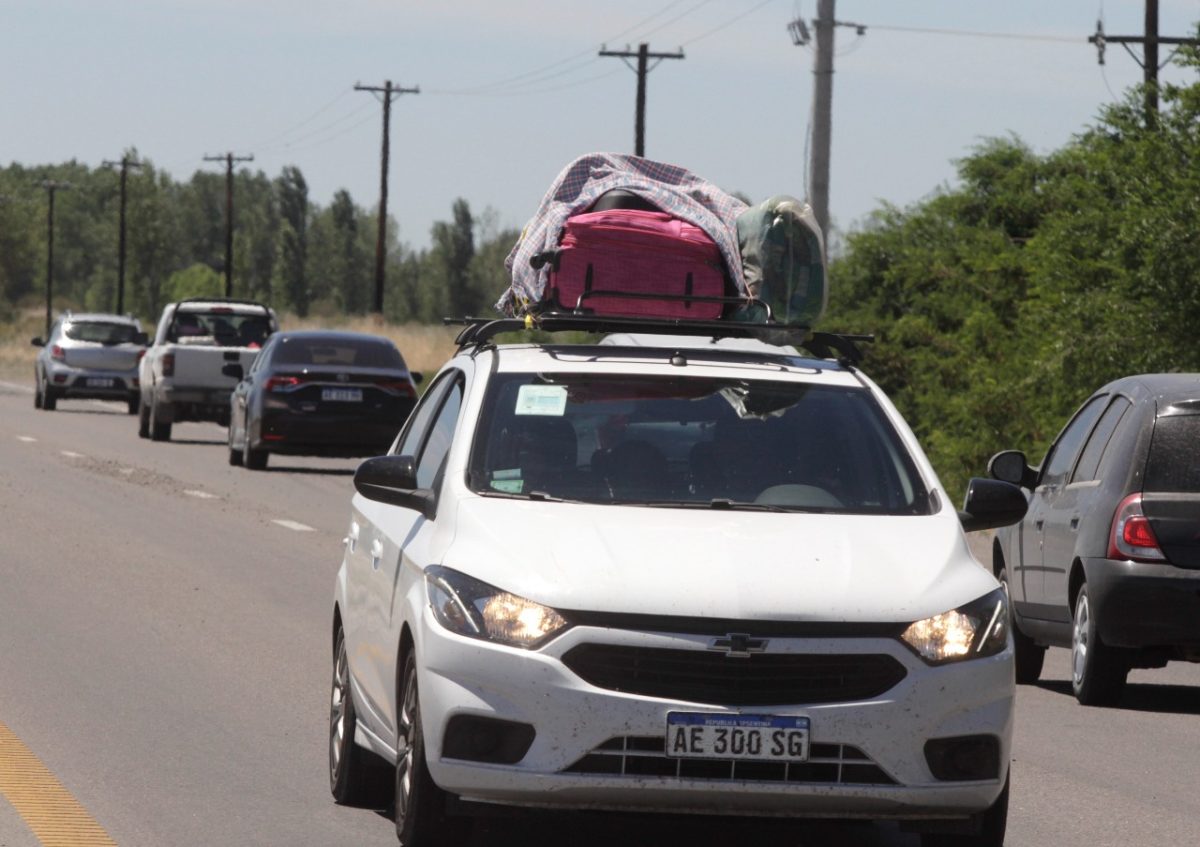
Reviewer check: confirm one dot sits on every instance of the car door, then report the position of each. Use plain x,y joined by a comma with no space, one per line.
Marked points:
1076,499
1050,510
386,539
242,400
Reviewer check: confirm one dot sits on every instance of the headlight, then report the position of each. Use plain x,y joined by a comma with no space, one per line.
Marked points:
977,629
469,607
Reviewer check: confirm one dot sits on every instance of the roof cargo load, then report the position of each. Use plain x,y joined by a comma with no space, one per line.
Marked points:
620,235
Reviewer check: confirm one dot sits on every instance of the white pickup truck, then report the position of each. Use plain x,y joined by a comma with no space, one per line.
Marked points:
181,374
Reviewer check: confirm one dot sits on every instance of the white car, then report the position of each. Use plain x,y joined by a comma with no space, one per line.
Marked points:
672,575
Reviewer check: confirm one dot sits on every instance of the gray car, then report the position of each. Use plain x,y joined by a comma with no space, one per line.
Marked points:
1106,561
89,356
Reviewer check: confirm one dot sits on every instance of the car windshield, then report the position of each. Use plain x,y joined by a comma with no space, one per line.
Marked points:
342,352
712,443
225,328
101,332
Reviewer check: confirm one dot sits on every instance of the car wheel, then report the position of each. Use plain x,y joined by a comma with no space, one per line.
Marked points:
135,404
143,419
160,430
255,460
356,777
990,827
1030,656
421,819
49,398
37,391
1098,671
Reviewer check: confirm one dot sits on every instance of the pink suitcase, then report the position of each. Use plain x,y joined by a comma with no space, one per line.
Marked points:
630,251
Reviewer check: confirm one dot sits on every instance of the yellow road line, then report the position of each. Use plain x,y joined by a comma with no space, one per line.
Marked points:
48,809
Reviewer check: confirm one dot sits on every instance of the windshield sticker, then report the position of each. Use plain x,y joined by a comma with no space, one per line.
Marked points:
548,400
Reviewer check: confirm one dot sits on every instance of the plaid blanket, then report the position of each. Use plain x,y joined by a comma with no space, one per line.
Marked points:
672,189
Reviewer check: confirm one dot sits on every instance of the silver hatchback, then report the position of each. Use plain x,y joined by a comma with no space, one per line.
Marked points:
89,356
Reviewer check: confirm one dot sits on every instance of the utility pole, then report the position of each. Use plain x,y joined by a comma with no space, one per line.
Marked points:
51,186
229,160
388,91
643,55
822,126
1149,61
126,163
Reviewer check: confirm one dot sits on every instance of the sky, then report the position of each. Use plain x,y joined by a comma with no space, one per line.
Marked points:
512,90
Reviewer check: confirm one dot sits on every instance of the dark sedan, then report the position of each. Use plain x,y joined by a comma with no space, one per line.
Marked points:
1107,560
319,393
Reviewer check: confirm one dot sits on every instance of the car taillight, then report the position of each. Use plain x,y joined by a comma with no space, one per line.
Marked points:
398,386
1132,536
58,354
168,364
282,383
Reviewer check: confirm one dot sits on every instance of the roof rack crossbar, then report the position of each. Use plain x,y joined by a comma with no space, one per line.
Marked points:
823,344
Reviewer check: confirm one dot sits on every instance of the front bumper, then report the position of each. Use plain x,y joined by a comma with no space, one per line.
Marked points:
1140,604
575,721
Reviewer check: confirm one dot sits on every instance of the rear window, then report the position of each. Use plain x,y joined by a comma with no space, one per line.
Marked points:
101,332
692,442
341,352
223,328
1174,463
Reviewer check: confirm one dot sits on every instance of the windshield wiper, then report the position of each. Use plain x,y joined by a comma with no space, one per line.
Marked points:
726,503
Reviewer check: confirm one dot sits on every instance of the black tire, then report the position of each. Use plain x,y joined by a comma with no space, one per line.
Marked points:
160,430
421,818
143,419
49,399
991,826
255,460
1030,656
134,405
37,391
1098,671
356,777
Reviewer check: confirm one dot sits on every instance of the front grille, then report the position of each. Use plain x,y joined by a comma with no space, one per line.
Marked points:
764,679
638,756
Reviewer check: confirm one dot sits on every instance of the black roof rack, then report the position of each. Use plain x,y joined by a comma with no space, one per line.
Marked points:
825,345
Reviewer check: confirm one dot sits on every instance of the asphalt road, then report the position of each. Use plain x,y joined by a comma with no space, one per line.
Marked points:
164,652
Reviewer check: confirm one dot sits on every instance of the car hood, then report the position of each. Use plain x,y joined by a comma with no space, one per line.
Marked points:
720,564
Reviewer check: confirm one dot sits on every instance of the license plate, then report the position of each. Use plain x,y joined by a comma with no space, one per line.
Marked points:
704,735
342,395
99,382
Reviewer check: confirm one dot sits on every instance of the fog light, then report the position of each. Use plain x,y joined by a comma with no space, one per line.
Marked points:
479,739
964,758
60,378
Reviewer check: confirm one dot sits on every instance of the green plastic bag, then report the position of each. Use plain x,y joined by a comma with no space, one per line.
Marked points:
783,260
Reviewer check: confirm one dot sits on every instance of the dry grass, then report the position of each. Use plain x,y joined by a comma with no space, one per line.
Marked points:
425,348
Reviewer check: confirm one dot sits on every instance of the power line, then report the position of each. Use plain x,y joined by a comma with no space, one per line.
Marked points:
286,132
965,33
727,23
355,112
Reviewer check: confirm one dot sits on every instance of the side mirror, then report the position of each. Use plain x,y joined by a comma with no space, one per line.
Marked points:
141,338
991,503
37,342
1012,466
417,377
234,370
393,480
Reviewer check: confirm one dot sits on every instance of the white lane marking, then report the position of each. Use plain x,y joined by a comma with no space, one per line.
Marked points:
293,525
28,439
24,389
70,454
126,471
203,495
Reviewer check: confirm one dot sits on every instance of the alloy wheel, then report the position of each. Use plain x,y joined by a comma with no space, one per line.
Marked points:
1080,640
337,712
408,730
